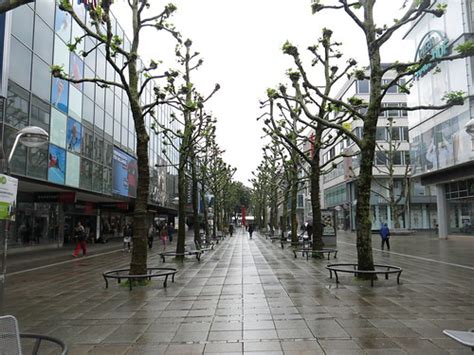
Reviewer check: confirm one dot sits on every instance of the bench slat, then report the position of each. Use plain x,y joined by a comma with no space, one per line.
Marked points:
463,337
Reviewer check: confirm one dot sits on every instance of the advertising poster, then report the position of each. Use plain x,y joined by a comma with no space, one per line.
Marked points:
62,25
59,94
8,190
73,135
56,164
124,174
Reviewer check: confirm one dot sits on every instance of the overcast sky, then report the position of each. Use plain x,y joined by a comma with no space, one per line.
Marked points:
240,42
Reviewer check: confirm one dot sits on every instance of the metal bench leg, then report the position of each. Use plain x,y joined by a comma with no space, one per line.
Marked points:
198,256
330,274
329,254
163,258
165,283
106,282
337,278
398,278
119,280
335,255
386,276
130,284
294,252
36,347
307,255
172,278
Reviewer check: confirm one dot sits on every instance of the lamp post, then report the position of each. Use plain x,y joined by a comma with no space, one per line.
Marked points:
32,137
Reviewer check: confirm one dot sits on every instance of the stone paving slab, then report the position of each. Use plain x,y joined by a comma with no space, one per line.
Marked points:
252,297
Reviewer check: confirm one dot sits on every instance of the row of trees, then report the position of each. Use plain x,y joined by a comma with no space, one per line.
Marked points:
201,169
310,116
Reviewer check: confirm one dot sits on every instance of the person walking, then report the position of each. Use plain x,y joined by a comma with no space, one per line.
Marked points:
250,230
231,229
80,237
164,236
127,237
385,235
170,231
151,235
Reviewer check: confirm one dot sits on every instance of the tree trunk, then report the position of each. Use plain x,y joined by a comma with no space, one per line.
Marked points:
181,204
316,203
284,217
195,197
294,196
204,206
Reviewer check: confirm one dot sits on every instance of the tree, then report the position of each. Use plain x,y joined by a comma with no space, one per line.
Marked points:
181,94
133,78
8,5
376,37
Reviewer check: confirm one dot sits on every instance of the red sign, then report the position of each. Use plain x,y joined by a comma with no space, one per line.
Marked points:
67,197
244,222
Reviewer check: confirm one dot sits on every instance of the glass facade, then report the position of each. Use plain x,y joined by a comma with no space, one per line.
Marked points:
88,126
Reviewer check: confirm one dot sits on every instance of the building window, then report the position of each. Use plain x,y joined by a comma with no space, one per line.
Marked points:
41,80
98,149
86,174
395,134
73,169
405,134
20,70
40,112
87,142
380,158
62,25
380,134
88,110
392,89
18,102
45,9
43,43
22,25
57,133
18,162
363,86
38,162
97,177
107,179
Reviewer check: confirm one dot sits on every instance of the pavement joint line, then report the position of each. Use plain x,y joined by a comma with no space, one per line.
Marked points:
61,263
417,257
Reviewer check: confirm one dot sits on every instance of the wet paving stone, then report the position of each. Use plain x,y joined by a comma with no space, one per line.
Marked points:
252,297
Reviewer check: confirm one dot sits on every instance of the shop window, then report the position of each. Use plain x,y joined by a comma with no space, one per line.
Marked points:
61,54
43,42
86,174
57,134
18,162
87,143
87,110
97,177
41,79
40,112
45,9
73,169
20,70
56,164
38,162
17,106
22,25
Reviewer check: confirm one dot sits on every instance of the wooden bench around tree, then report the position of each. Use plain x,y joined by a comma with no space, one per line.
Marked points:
308,251
152,272
380,269
464,337
197,253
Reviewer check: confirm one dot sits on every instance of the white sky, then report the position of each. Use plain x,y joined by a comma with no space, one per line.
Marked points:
240,42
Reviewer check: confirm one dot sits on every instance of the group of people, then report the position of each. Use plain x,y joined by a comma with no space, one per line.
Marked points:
163,230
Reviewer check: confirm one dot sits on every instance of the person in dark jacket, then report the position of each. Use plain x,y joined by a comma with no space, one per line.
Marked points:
385,235
250,230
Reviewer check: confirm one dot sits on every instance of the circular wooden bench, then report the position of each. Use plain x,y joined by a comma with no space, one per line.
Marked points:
152,272
352,269
309,251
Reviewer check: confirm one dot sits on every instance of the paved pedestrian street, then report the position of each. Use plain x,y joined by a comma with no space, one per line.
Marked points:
252,297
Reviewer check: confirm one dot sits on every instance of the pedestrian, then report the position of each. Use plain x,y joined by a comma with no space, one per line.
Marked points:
231,229
170,231
127,237
250,230
385,235
309,231
164,235
151,235
80,237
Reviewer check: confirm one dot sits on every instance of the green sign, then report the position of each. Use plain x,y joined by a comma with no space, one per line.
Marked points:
434,44
8,190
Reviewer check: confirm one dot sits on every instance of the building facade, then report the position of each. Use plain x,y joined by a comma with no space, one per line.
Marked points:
88,170
442,142
415,209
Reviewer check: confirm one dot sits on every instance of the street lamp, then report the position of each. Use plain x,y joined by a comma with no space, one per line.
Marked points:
32,137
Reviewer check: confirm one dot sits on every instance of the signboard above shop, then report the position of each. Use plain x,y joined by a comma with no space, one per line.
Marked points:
434,44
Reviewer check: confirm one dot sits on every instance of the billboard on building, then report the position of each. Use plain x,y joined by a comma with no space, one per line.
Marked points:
8,191
73,135
124,174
